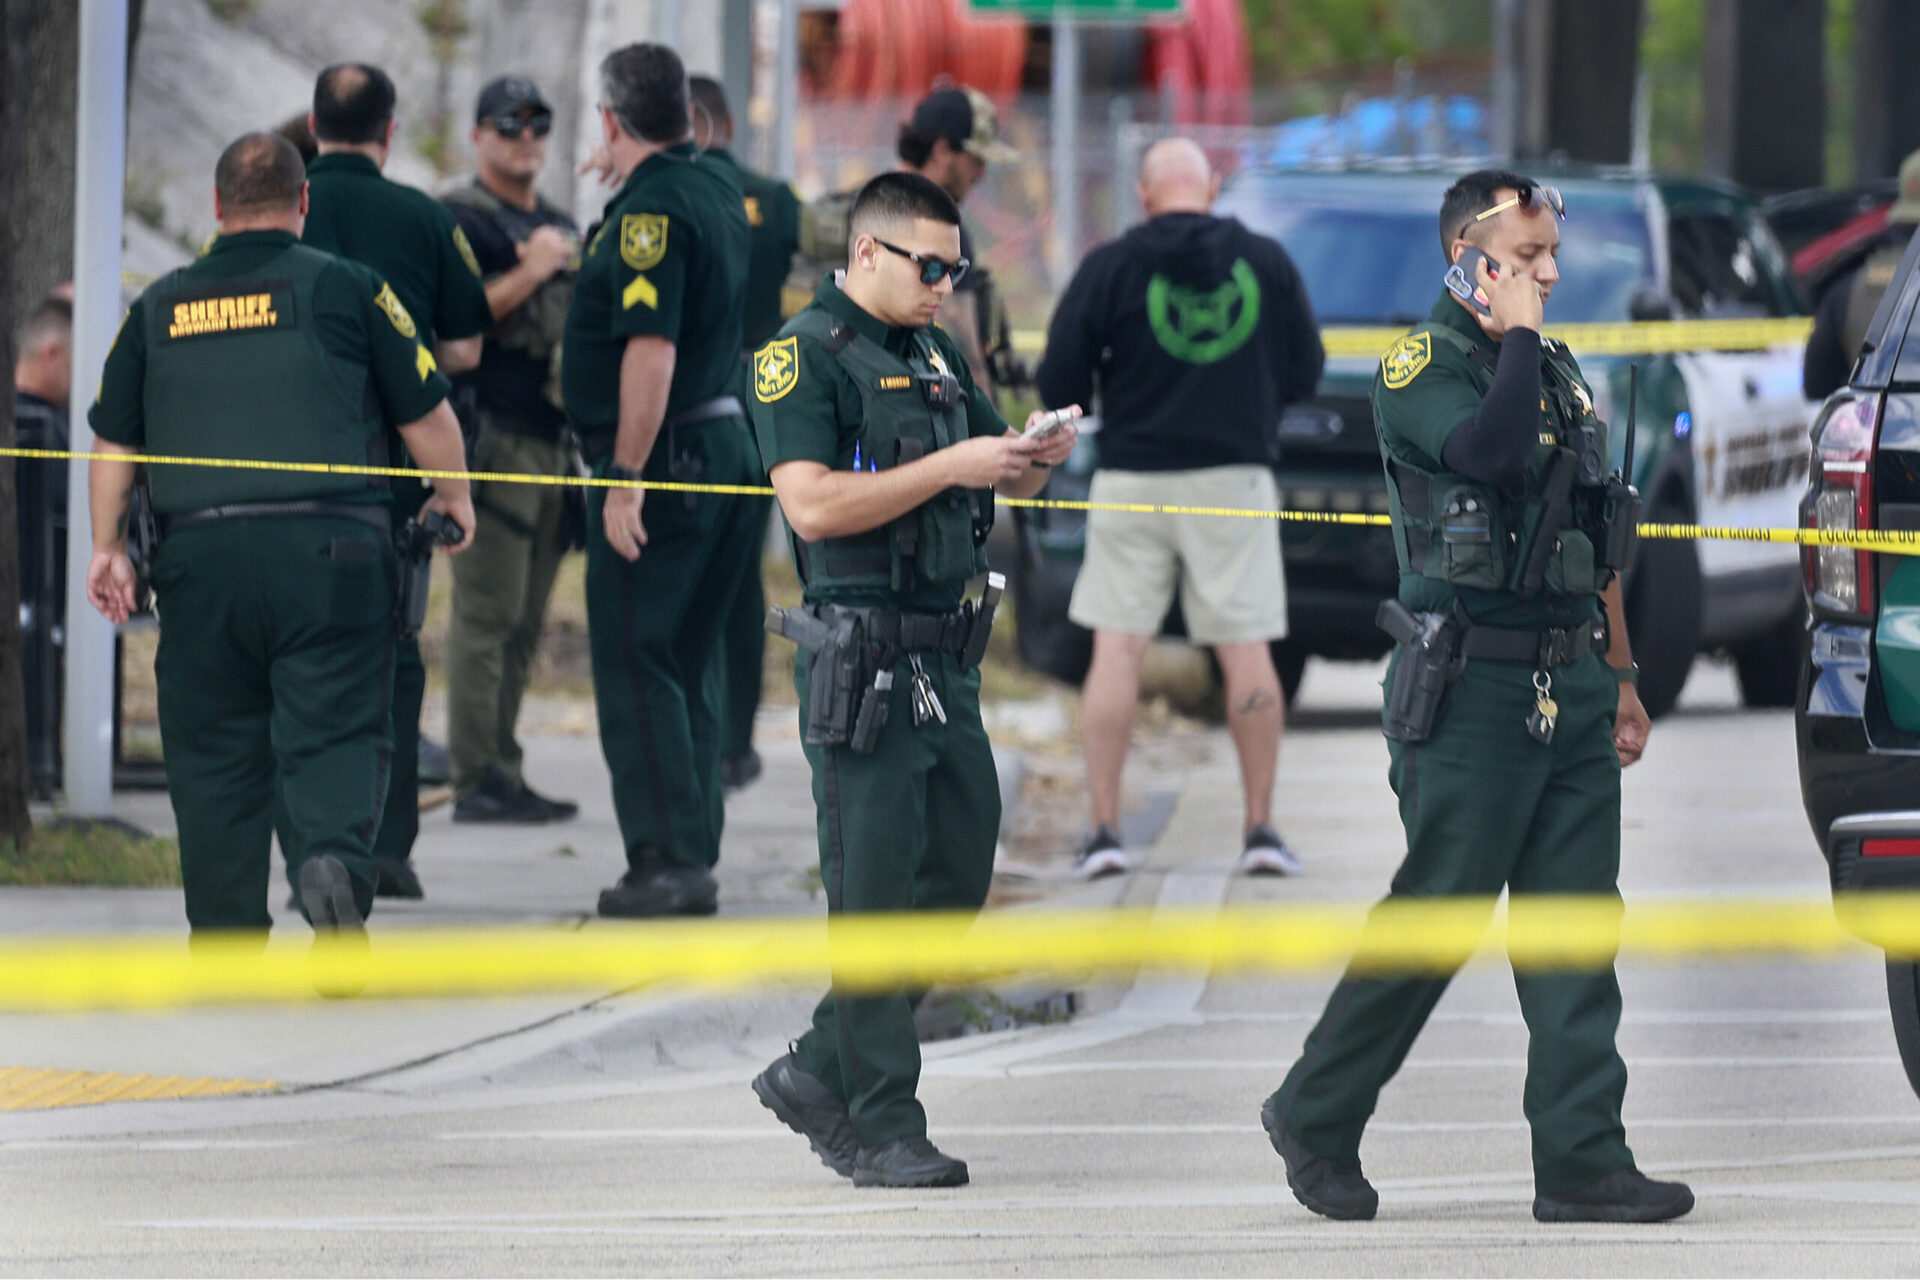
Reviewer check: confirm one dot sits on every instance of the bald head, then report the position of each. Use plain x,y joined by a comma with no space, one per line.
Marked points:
1176,178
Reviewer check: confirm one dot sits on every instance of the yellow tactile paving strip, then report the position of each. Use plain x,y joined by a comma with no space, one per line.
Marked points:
40,1088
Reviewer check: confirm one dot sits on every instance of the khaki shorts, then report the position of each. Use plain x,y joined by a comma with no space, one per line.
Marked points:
1232,587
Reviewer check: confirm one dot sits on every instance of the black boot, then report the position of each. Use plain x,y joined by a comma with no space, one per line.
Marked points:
661,891
557,810
1338,1192
497,798
1626,1195
738,771
810,1109
326,896
398,880
907,1162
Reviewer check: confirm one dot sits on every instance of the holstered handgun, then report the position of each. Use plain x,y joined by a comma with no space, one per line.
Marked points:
415,542
836,646
143,542
980,628
1427,663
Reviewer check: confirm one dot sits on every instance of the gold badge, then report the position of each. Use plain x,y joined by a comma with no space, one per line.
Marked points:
643,239
465,247
754,217
776,369
1405,359
396,310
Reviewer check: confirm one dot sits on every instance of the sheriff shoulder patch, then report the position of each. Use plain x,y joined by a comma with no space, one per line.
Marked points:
1405,359
776,369
643,240
465,247
396,310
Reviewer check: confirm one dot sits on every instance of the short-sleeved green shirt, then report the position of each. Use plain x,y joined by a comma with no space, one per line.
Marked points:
820,419
773,221
667,260
406,236
1425,388
353,325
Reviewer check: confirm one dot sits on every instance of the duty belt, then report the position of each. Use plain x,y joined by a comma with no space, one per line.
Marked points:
1552,647
909,632
706,411
377,516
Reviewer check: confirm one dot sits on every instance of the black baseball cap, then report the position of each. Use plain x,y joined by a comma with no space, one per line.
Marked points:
509,96
966,119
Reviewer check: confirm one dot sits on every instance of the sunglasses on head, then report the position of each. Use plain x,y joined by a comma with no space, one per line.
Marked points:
931,268
510,127
1527,195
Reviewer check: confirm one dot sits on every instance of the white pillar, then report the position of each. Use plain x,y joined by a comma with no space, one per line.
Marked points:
100,175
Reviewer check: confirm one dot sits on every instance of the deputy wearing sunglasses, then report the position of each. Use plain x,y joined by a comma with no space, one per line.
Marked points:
885,456
1510,708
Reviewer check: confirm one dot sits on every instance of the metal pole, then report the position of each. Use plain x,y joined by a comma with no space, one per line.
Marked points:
99,176
1064,244
787,90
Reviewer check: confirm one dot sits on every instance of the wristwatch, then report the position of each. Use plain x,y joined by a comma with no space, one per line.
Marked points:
617,472
1629,674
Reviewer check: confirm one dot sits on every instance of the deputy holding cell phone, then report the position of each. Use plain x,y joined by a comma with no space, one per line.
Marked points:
1510,707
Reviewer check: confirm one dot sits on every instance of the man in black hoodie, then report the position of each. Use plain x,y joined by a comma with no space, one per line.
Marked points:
1198,333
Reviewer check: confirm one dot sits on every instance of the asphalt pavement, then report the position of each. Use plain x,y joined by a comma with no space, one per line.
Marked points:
617,1135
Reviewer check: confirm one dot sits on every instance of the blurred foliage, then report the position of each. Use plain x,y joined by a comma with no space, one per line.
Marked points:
1293,38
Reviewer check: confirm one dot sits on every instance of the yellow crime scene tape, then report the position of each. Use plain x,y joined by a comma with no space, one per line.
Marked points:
878,953
1904,542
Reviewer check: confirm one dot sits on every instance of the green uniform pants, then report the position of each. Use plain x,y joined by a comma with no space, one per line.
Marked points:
501,587
911,825
1486,807
746,644
275,674
653,629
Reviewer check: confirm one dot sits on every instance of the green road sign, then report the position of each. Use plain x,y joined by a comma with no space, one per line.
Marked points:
1078,10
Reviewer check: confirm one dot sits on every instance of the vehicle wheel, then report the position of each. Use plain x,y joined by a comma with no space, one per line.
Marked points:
1903,1000
1663,613
1047,640
1769,664
1290,664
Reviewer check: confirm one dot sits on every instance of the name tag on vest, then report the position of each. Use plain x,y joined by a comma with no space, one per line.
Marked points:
245,310
896,382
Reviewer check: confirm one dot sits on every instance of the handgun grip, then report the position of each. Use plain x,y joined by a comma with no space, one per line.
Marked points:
1397,621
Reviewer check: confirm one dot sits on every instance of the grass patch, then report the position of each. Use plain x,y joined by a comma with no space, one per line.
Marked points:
91,854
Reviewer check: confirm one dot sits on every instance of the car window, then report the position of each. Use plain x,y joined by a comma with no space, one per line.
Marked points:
1718,268
1383,266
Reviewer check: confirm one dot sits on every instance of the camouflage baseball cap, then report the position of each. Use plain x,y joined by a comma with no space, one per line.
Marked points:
966,119
1906,208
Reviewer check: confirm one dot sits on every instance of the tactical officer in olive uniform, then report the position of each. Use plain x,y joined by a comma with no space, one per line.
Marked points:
650,369
276,591
773,221
884,455
1510,708
410,239
528,253
1846,309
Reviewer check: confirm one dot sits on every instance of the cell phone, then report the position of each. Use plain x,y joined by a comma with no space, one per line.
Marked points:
1463,281
1051,422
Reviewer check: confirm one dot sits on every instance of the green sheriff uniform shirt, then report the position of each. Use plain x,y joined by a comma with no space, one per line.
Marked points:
773,220
1424,389
358,323
820,421
668,260
405,235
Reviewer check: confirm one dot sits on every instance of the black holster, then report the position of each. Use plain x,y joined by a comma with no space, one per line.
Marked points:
836,647
415,541
1428,662
143,543
1621,515
980,622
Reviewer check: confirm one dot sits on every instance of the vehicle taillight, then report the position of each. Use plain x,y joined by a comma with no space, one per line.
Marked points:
1840,578
1890,848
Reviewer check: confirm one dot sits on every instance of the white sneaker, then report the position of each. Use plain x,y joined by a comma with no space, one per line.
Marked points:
1267,854
1102,855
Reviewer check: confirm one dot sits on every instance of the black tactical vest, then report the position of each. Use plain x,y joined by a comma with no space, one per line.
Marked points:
235,369
909,408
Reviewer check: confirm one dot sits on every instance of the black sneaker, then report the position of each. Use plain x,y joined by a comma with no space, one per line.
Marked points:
806,1106
739,771
398,880
661,891
907,1162
435,765
326,897
1266,854
1626,1195
1102,855
557,810
498,799
1338,1192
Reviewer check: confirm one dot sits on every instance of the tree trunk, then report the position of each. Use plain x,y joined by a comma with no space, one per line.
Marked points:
1764,76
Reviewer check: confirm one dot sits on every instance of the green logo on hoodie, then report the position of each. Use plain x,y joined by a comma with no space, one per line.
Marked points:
1205,327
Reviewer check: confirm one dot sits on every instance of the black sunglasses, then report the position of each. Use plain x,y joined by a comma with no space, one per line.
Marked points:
509,127
931,268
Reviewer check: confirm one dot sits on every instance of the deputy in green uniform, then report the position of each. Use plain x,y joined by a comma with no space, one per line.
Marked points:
275,591
411,240
648,367
885,456
773,221
1510,708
